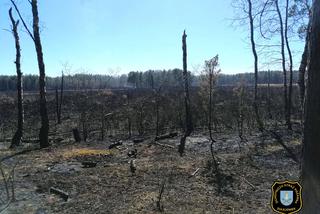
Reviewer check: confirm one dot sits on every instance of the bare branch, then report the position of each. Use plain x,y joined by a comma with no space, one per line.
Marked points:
23,22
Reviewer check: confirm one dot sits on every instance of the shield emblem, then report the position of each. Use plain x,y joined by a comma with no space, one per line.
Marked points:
286,197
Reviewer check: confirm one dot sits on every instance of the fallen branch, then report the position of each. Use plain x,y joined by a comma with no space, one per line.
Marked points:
248,183
165,145
166,136
60,193
280,141
195,172
18,153
5,207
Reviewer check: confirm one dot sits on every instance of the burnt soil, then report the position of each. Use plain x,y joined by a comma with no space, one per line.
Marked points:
247,171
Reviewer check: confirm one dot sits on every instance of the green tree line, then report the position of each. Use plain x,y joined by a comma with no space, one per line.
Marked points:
137,79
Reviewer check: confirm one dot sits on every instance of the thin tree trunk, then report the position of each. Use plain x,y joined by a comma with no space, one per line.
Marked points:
61,99
57,105
269,97
285,86
188,117
157,113
102,126
311,146
255,55
290,67
16,140
44,130
215,163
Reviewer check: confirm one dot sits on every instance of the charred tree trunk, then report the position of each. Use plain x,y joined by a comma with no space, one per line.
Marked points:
269,97
16,140
215,163
129,120
76,135
188,117
157,113
311,146
285,86
57,105
255,55
44,130
302,70
61,98
290,67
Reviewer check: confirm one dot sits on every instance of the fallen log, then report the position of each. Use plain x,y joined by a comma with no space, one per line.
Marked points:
164,145
138,140
64,195
89,164
166,136
113,145
278,137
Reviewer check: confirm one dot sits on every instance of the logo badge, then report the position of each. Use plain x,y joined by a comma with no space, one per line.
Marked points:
286,197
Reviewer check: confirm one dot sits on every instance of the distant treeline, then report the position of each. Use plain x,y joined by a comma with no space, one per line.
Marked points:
148,79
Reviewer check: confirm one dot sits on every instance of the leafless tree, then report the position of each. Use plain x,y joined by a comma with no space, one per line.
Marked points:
284,43
311,149
188,116
35,36
290,65
255,55
59,101
44,130
210,76
16,140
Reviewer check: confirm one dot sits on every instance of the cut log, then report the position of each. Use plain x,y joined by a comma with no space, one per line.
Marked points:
62,194
76,135
89,164
166,136
113,145
138,140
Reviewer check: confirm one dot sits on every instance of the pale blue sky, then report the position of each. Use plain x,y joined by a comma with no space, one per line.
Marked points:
118,36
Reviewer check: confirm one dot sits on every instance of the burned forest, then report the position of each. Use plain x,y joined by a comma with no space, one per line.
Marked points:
213,117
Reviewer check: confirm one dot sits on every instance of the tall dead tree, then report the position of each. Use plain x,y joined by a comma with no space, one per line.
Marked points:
44,130
59,101
289,102
311,146
16,140
188,117
255,55
35,36
283,62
